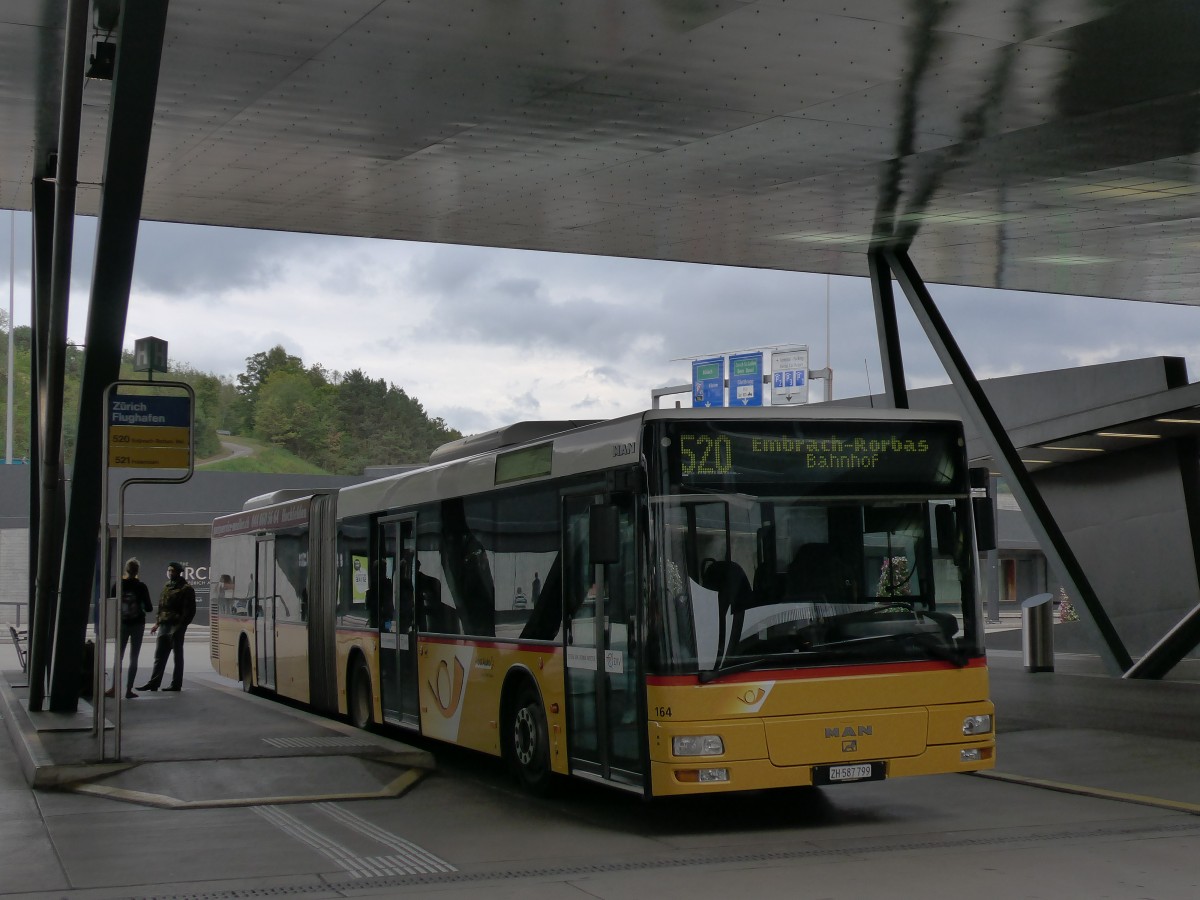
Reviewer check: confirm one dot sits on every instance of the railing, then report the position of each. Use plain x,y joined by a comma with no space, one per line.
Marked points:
7,614
14,612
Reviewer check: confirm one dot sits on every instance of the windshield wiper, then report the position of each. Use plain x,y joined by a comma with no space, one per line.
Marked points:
928,641
743,665
931,643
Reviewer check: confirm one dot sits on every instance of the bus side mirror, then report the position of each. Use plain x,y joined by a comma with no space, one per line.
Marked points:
604,537
985,523
983,509
946,530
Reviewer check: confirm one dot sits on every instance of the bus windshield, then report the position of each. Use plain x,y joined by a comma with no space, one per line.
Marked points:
753,575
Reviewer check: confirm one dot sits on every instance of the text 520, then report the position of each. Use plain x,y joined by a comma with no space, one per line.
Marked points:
705,454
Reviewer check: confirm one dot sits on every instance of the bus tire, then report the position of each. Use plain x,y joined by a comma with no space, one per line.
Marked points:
359,703
245,668
528,741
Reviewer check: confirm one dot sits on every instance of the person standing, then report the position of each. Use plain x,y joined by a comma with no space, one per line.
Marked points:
135,603
176,609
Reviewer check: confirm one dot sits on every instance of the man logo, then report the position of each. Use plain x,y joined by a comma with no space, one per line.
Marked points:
849,731
849,746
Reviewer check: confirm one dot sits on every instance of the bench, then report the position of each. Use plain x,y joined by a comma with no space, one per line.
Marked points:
19,638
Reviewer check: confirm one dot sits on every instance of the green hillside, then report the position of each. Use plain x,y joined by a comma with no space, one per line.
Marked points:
299,418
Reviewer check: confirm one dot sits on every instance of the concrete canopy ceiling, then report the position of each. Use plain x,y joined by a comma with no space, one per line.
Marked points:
1043,145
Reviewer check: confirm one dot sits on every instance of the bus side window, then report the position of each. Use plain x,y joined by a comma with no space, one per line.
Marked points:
435,615
545,621
468,572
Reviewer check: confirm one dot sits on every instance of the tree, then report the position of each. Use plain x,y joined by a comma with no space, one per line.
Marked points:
374,423
22,367
290,413
262,366
212,398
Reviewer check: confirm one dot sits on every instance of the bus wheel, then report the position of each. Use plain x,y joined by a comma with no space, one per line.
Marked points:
358,699
529,742
245,669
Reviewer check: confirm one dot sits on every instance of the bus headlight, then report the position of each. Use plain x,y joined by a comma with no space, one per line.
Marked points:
977,725
697,745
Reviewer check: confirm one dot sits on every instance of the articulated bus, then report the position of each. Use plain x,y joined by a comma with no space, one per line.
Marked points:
681,601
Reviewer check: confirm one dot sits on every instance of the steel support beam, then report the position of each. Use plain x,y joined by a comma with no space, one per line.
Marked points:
39,318
1041,521
135,85
1185,636
889,331
53,347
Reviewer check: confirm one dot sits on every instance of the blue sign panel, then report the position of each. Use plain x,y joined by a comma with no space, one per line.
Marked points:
140,409
745,379
708,382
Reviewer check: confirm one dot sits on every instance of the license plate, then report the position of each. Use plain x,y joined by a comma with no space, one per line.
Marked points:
850,773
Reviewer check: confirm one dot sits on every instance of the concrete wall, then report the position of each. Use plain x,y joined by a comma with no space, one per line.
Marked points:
1126,518
1125,515
171,523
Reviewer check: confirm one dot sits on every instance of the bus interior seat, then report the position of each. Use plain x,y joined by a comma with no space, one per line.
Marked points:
817,573
729,580
441,618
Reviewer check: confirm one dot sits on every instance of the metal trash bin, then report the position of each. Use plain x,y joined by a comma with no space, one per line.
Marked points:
1037,633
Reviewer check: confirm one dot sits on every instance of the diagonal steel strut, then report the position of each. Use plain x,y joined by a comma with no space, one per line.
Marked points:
1037,513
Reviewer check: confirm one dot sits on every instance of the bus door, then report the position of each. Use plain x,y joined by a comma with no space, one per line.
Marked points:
599,593
395,577
264,609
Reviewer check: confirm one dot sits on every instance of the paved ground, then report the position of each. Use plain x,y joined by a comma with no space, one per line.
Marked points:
1097,794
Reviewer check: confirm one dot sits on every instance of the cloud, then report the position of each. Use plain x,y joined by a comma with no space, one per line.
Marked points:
174,261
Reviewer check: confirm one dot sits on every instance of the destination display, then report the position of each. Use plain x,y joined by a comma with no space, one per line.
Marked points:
528,462
920,456
271,518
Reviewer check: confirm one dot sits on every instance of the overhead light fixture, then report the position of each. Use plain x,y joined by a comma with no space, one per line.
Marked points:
1068,260
1133,188
1126,434
825,237
957,217
1073,449
103,61
1030,462
1179,421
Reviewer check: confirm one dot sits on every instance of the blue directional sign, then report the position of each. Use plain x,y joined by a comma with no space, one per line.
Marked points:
708,382
160,411
745,379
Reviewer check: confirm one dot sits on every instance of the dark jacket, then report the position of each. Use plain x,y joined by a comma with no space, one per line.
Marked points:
135,607
176,605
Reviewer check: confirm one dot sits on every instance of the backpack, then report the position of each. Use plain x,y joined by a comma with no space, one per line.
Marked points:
131,606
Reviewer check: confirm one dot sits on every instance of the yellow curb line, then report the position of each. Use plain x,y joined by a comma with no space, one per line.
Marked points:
394,788
1101,793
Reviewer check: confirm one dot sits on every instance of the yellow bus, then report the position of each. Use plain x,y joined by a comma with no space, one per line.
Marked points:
681,601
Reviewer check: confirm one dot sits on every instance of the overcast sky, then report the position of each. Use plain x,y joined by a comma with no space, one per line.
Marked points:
486,337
